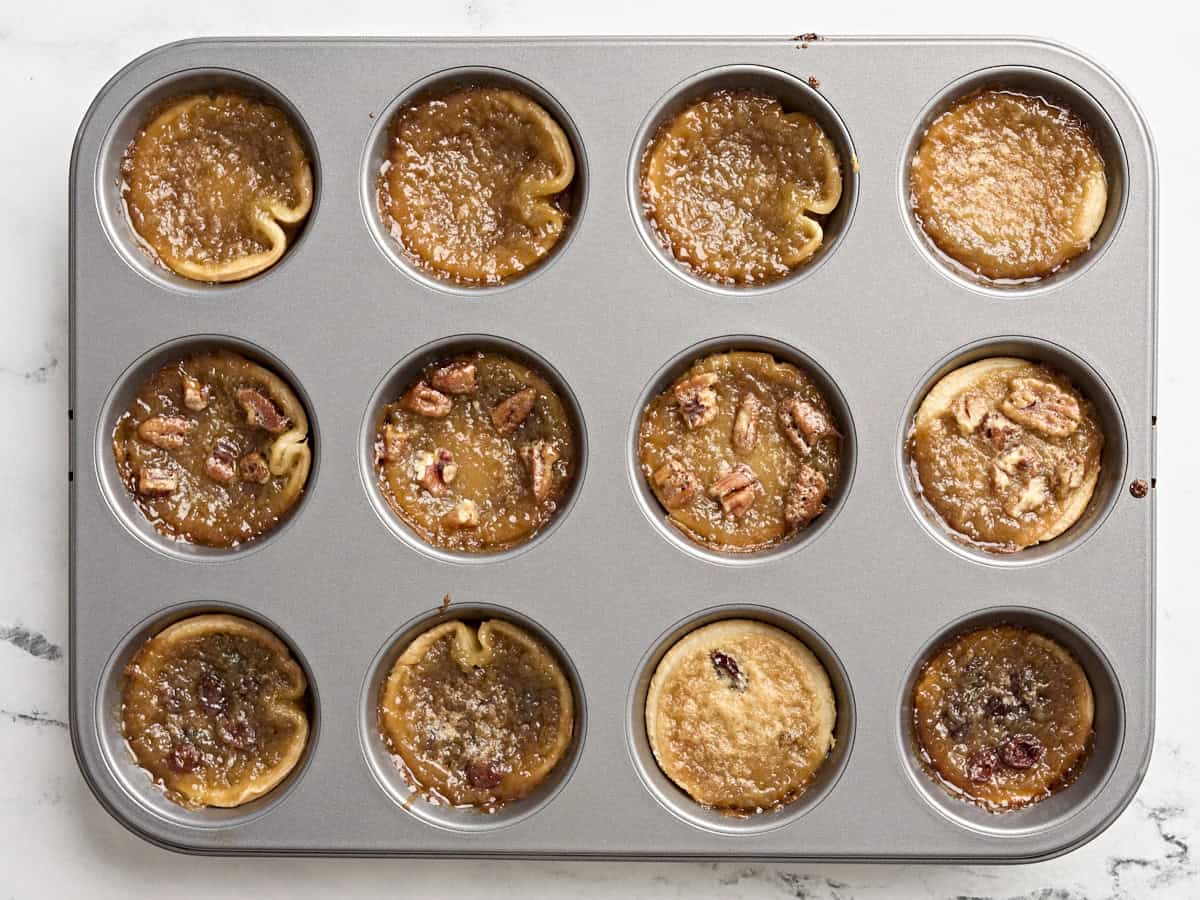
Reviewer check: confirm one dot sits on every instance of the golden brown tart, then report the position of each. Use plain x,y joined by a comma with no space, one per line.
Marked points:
1008,184
217,185
737,189
740,714
1006,452
478,716
476,185
214,449
742,451
477,454
1003,716
214,709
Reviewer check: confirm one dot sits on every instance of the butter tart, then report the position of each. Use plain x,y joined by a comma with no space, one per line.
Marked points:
477,454
1003,716
1006,452
217,185
742,451
214,449
740,715
214,708
476,184
1010,185
478,716
736,188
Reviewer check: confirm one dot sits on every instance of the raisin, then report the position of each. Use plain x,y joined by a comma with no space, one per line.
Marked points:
982,765
727,668
237,733
482,775
1021,751
210,690
183,758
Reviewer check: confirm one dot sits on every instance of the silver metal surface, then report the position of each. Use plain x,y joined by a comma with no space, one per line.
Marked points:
872,588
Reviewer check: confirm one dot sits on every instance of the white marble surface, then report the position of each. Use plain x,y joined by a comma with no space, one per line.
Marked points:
55,839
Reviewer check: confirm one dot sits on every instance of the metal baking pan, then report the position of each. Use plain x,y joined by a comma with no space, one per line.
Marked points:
871,587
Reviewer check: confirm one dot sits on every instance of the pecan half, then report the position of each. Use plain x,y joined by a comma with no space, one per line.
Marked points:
434,472
745,424
803,424
425,401
805,499
509,414
539,459
220,463
253,467
391,444
261,411
677,486
1033,496
737,490
969,409
464,515
697,400
166,432
195,394
155,481
1042,406
999,430
455,379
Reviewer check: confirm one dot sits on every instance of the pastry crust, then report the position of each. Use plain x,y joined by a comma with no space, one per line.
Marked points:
740,714
179,725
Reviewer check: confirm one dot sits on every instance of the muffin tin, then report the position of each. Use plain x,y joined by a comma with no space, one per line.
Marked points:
871,587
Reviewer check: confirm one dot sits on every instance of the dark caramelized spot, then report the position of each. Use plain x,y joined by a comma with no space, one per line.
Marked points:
727,668
483,775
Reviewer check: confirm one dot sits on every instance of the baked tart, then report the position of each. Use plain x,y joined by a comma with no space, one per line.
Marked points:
742,451
217,185
478,716
1006,452
1010,185
214,449
476,184
477,454
740,715
736,188
1003,717
214,708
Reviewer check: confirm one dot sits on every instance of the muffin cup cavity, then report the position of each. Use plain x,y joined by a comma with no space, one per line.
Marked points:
387,769
1098,765
117,402
132,118
677,801
135,781
1113,459
662,381
400,378
376,153
796,95
1056,88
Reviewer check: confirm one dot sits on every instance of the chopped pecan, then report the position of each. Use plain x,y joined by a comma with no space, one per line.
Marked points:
510,413
969,409
425,401
999,430
539,458
745,424
261,411
805,498
464,515
677,485
455,379
167,432
1032,497
1068,474
434,472
184,758
253,467
220,463
737,489
1020,459
392,440
1042,406
155,481
803,424
195,394
697,400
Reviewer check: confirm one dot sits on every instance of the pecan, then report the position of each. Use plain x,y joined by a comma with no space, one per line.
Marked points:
998,430
697,400
1021,751
155,481
745,424
982,765
728,670
483,775
1068,474
261,412
678,486
737,489
167,432
434,471
455,379
803,424
805,498
425,401
390,446
969,409
195,394
464,515
1032,497
253,467
539,458
220,463
509,414
1042,406
1019,459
